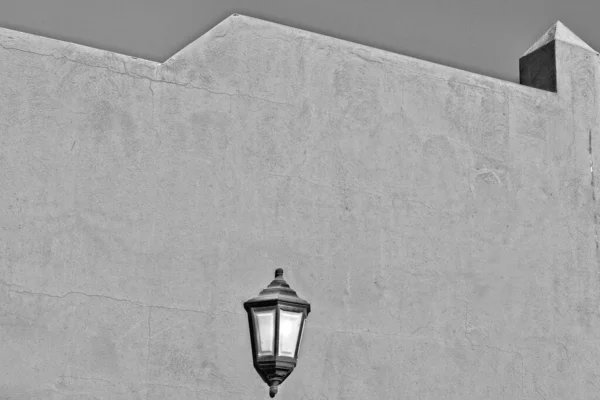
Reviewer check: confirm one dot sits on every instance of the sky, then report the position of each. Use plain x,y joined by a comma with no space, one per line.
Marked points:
482,36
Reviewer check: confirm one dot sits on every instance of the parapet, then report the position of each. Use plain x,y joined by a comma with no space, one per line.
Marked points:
537,67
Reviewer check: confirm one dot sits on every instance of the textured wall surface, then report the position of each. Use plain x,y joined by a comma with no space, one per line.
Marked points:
442,224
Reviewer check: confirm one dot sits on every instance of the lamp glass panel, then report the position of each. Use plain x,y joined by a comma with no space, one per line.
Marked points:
289,329
301,335
265,332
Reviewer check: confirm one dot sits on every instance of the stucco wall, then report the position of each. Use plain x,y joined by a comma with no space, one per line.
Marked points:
442,224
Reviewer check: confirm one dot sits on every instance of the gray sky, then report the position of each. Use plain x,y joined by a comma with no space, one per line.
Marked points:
483,36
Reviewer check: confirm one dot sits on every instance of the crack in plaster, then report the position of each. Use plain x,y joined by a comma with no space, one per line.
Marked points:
591,164
137,76
223,35
134,302
153,114
365,58
591,158
468,339
148,346
272,38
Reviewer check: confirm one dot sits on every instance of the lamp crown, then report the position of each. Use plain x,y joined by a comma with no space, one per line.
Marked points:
278,290
279,282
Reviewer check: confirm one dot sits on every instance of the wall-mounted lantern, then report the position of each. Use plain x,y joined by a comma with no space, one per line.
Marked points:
276,319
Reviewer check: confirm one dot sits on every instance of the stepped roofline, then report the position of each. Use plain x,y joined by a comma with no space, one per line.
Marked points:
47,46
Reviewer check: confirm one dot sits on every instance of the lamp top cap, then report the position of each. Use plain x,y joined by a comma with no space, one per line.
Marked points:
278,290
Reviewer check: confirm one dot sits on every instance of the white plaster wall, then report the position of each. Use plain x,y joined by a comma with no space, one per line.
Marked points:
441,223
